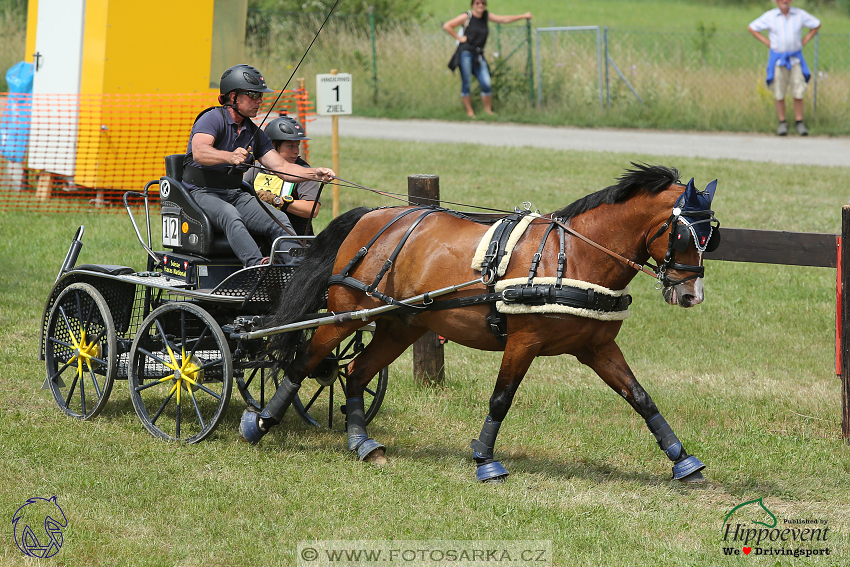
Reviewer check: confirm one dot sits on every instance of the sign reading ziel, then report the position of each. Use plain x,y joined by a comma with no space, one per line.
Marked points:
333,94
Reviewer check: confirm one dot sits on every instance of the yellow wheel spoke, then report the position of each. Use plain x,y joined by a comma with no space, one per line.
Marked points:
173,358
189,380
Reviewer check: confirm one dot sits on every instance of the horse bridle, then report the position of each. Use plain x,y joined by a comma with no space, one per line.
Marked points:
669,262
660,272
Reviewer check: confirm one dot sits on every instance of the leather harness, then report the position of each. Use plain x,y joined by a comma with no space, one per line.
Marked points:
527,294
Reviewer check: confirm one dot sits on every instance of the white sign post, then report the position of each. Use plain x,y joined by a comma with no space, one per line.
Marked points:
333,98
333,94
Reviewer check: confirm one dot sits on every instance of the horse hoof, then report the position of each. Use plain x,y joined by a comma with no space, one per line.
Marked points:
249,428
695,477
687,470
369,446
491,472
376,457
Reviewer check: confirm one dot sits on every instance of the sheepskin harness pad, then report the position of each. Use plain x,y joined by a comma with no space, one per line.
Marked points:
511,296
539,295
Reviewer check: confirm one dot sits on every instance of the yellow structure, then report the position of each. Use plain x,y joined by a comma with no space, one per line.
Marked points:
135,56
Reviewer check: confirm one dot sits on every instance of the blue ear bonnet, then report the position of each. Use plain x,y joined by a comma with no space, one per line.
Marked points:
696,212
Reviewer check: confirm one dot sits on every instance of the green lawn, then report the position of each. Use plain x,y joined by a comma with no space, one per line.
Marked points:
746,380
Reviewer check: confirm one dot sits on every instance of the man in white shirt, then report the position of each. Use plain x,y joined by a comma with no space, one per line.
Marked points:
786,66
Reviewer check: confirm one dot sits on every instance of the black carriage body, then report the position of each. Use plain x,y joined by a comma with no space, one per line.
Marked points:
171,325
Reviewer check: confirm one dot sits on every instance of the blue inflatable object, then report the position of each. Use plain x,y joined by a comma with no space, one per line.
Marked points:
15,123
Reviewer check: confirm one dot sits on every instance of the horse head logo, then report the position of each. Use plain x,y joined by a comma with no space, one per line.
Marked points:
38,527
756,509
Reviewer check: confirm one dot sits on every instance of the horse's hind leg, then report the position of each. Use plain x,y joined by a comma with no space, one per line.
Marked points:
515,363
253,426
390,340
609,363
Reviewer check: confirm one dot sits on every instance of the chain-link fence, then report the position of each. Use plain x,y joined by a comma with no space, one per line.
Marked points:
706,80
698,80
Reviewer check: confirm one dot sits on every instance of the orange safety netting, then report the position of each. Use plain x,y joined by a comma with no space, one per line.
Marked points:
61,152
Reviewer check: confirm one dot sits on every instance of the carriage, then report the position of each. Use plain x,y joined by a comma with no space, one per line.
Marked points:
167,329
525,284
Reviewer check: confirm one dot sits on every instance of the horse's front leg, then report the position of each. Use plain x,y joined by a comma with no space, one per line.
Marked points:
608,362
391,339
515,363
253,426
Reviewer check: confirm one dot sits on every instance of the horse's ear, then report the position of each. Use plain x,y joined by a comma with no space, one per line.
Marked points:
710,189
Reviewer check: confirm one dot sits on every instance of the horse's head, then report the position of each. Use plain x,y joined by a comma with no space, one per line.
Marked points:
692,230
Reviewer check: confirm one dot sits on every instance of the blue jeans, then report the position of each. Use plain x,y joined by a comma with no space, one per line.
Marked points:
483,74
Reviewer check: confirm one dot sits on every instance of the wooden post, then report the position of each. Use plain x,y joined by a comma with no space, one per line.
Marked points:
845,318
335,155
428,357
45,186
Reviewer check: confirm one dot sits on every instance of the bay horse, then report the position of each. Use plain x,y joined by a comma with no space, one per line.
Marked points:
578,260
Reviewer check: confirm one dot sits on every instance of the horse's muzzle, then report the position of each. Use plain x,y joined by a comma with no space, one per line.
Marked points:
684,294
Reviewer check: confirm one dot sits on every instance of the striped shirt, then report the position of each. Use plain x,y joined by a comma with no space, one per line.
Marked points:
785,32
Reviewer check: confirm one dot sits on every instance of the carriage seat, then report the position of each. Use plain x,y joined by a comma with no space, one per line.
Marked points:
186,227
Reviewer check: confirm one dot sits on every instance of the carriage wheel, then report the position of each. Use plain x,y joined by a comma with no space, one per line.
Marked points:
79,350
321,399
180,373
256,382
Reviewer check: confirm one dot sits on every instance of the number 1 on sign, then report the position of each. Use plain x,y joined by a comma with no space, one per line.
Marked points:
336,88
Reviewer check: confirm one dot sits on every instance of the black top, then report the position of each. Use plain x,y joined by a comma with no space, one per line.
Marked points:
476,33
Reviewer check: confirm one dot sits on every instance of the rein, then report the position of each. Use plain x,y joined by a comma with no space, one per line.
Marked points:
650,272
657,273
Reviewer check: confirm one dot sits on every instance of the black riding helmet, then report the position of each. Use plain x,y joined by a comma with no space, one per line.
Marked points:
285,128
242,78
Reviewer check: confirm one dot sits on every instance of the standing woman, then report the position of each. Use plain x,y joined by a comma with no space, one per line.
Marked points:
472,42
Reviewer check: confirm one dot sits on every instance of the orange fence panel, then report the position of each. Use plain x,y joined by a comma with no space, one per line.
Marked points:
61,152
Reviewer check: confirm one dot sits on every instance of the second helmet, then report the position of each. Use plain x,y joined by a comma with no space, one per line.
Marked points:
285,128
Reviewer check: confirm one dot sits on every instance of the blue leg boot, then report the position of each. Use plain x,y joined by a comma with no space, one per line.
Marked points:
253,426
685,467
489,469
358,441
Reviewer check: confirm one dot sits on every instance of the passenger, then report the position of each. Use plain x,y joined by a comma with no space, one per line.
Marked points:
286,134
223,143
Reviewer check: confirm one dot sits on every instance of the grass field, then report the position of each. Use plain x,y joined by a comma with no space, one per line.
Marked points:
746,380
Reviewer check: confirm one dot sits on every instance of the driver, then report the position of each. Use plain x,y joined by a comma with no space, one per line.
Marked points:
223,143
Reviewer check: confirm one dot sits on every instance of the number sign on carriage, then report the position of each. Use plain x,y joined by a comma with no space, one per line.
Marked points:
333,94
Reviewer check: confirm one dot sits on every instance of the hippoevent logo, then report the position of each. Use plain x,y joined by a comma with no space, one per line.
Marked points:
37,527
752,529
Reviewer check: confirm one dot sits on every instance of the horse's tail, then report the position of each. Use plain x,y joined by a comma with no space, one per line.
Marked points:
305,293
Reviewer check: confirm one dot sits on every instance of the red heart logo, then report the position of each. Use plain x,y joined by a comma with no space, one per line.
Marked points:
747,550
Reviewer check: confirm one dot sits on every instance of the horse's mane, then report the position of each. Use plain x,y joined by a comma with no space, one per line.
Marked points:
651,178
